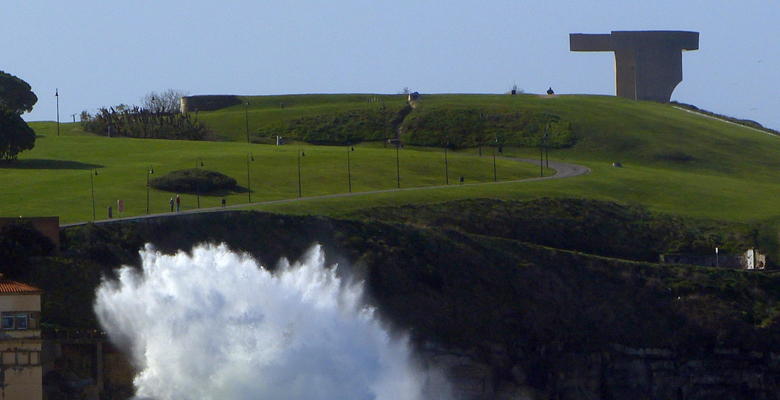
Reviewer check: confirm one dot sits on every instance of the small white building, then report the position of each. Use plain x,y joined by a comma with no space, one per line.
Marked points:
20,341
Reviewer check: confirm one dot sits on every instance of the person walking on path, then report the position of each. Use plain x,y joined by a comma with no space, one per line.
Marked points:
178,203
171,202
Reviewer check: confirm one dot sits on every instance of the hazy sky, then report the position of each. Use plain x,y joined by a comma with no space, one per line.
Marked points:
100,52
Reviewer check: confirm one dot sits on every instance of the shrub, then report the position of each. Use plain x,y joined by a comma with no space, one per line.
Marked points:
18,243
195,180
344,127
143,123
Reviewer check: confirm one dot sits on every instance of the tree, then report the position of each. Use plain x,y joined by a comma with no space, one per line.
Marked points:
15,94
166,102
15,135
16,98
19,242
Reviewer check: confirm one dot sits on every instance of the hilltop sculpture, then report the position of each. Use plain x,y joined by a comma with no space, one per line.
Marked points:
648,64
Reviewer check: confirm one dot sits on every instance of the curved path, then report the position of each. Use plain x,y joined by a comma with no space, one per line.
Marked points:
562,170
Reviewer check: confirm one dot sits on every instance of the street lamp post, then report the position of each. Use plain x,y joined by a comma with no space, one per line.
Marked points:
249,158
149,172
57,95
92,174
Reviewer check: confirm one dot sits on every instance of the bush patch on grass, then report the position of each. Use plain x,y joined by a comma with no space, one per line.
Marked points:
195,180
345,127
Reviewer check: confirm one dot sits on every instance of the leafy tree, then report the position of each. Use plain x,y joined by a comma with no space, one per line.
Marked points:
19,242
15,94
15,135
16,98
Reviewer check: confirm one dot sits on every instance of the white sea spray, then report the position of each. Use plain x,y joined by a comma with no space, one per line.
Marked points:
215,325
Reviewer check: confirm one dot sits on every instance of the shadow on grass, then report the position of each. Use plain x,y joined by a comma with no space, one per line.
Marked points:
34,163
213,193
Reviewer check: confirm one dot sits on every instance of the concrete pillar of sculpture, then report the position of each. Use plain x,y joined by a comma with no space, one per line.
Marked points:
648,64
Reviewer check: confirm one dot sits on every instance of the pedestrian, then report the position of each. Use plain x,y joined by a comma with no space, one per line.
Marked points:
461,180
178,203
171,202
223,202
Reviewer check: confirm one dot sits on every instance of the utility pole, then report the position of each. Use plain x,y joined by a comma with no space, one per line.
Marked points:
57,95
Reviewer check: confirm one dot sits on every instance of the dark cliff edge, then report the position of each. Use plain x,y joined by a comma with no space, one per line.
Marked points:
504,318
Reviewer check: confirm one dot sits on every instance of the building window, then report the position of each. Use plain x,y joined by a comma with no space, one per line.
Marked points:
16,321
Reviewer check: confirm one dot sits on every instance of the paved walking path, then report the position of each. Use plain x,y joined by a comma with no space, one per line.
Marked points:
725,121
562,170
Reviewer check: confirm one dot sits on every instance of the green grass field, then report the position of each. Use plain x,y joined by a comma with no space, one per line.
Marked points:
55,177
674,161
268,112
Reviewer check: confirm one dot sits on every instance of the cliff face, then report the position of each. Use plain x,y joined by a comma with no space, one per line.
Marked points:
505,319
616,373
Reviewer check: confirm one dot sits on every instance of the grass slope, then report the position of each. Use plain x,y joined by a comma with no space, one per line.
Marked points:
674,161
54,178
267,114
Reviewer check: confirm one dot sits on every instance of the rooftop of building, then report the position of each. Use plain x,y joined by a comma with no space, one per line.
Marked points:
8,286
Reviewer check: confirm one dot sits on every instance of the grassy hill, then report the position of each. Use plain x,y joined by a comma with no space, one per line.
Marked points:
673,161
268,116
57,176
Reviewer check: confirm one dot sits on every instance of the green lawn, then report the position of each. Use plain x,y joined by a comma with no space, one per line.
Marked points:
260,113
54,178
674,161
695,195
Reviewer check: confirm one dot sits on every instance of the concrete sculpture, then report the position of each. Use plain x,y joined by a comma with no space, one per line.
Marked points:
648,64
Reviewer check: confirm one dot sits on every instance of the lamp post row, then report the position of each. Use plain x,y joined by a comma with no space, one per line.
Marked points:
300,153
